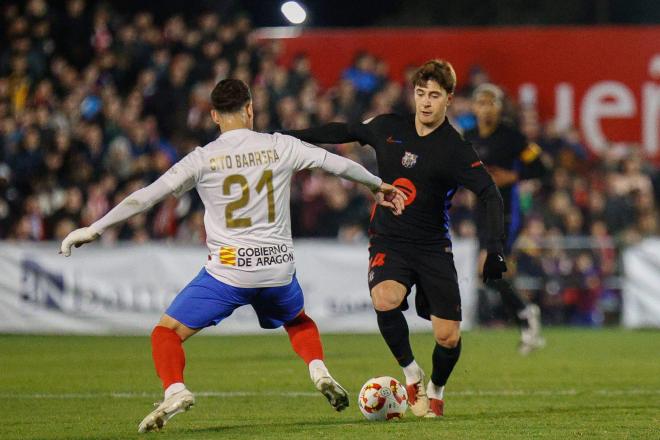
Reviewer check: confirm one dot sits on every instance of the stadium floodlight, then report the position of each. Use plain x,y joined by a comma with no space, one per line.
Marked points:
294,12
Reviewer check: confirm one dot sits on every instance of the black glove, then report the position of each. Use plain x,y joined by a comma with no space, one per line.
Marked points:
494,267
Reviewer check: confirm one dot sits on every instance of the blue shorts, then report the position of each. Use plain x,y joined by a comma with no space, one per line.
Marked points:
205,301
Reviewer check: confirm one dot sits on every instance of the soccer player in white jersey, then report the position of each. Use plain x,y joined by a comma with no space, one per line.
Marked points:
243,178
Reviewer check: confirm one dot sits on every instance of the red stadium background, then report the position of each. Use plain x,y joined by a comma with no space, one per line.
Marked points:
603,80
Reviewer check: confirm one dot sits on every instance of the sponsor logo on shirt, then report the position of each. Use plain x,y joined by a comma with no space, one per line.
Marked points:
228,255
409,160
255,256
391,140
408,189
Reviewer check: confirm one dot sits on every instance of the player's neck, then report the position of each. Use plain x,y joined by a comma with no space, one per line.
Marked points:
234,121
425,129
234,125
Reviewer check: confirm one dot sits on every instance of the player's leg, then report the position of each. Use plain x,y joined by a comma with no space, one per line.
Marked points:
447,350
526,314
169,359
283,306
390,279
203,302
387,297
167,351
438,288
306,342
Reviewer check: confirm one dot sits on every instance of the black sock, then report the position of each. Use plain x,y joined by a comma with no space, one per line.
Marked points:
394,328
513,303
444,360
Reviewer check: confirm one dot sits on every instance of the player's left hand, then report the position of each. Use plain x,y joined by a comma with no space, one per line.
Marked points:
77,238
494,267
391,197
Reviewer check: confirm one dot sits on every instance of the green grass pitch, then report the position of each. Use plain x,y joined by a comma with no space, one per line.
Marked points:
586,384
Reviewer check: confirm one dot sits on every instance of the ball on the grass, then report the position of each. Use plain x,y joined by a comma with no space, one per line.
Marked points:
383,398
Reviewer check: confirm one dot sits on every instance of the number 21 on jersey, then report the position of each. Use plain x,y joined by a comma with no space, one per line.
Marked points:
266,181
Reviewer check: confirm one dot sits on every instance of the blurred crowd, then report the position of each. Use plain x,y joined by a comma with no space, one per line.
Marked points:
95,104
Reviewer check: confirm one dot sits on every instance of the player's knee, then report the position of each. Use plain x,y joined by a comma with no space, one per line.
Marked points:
383,301
302,320
183,331
384,305
447,339
387,296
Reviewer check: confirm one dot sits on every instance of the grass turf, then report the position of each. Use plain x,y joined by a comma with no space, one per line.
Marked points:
585,384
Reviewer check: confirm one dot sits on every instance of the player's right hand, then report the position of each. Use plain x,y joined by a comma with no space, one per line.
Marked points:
77,238
391,197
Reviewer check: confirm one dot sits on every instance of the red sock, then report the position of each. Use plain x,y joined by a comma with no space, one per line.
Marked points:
305,338
168,355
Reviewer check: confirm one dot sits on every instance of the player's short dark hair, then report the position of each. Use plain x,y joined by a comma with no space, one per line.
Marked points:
440,71
230,95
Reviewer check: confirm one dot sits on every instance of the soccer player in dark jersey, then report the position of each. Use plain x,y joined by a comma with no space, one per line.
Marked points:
427,158
509,158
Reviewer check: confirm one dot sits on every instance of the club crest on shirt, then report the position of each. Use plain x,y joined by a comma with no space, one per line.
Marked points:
409,160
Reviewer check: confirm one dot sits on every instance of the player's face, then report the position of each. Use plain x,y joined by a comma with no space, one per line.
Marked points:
431,102
487,108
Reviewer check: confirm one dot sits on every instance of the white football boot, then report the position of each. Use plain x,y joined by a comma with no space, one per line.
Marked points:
418,400
530,337
330,388
176,403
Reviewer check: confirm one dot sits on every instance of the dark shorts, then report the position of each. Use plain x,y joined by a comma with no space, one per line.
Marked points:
432,271
206,301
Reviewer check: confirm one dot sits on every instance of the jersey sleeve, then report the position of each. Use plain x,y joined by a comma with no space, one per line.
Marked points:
346,168
306,156
137,202
468,170
303,155
339,132
365,132
184,175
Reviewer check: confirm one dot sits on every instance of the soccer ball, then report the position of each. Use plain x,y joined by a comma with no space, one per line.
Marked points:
383,398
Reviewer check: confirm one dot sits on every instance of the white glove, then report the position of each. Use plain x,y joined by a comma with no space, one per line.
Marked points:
77,238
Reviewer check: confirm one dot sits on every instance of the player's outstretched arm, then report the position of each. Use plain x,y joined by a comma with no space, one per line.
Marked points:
136,203
304,156
339,133
182,177
386,195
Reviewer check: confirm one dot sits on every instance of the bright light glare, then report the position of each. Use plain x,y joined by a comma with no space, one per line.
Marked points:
294,12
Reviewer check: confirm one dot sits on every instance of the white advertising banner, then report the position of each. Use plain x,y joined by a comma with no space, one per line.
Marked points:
125,289
641,285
